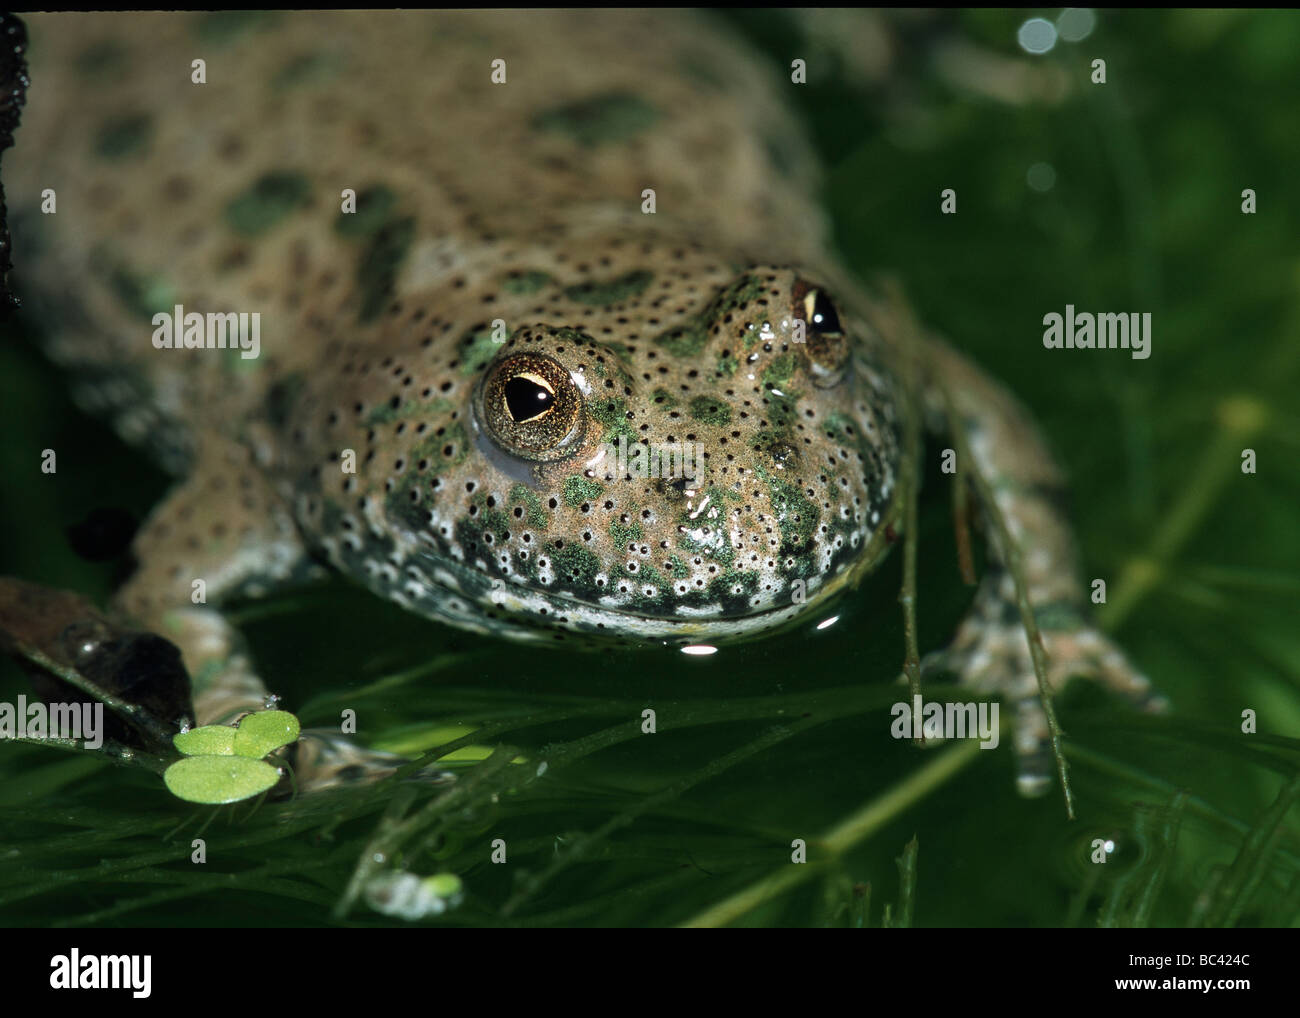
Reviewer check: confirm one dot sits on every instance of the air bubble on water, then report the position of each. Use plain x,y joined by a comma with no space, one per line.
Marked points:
378,858
699,650
272,701
1037,35
827,623
409,897
1076,23
1041,177
541,768
183,725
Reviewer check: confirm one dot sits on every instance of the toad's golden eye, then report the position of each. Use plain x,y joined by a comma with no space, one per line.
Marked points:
820,314
530,407
826,345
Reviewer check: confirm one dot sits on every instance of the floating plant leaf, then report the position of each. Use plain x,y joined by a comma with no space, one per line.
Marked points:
216,780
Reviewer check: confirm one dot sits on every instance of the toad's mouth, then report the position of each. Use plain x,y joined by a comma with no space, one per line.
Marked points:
463,593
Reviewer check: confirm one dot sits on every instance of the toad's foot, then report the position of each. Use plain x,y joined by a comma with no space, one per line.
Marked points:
991,655
226,688
1032,561
326,759
234,546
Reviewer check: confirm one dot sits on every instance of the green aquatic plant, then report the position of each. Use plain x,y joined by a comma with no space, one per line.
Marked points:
225,764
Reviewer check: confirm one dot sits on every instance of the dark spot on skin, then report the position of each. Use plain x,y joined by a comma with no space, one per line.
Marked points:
689,338
281,398
685,340
577,489
523,283
775,445
778,154
178,188
234,258
710,410
104,60
374,206
625,534
795,514
143,295
575,566
377,269
700,68
530,504
305,69
610,291
479,349
611,117
125,136
612,413
780,370
272,198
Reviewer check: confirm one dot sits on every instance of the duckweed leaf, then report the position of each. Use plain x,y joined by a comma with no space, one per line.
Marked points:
209,740
217,780
265,732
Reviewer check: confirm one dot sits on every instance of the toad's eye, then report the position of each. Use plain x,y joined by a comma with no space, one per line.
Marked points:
820,314
826,345
530,407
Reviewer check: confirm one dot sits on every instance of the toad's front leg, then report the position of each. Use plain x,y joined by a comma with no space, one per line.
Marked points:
1033,567
227,532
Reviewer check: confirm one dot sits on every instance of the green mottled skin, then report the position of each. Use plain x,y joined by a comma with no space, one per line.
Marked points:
479,201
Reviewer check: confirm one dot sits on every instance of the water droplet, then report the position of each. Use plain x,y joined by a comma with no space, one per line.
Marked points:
1041,177
1037,35
1076,23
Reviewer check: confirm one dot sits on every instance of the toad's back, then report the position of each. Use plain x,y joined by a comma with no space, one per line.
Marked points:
225,194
